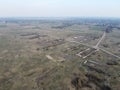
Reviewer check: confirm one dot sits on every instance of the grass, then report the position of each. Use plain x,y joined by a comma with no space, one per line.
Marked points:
21,62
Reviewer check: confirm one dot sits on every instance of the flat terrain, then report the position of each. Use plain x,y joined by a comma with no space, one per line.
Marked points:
59,55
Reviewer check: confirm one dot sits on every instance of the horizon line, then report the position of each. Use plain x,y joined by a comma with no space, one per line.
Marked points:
58,17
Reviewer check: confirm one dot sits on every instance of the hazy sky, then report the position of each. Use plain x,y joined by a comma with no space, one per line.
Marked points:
58,8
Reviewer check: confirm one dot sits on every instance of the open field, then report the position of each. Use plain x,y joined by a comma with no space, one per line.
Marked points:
41,55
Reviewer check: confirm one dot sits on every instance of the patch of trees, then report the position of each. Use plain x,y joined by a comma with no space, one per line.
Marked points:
109,29
64,25
105,45
33,35
89,81
28,34
51,43
112,62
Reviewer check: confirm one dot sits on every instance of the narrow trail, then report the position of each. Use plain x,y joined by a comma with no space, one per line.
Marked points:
95,47
102,38
109,53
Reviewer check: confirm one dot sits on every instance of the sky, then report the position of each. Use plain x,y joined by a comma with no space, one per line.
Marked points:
60,8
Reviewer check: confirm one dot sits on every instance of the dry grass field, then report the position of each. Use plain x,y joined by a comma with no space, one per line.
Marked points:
41,55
